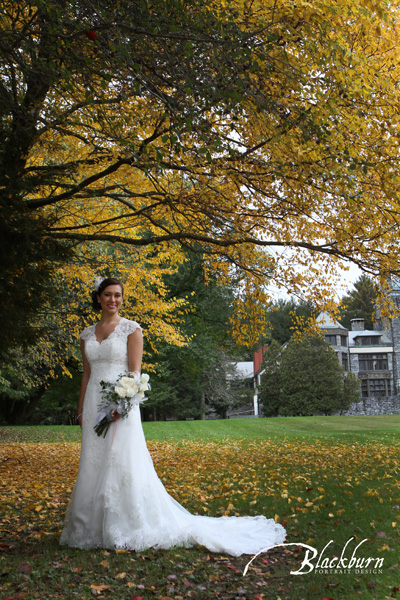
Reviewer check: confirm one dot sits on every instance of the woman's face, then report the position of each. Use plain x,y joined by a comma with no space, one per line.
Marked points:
111,299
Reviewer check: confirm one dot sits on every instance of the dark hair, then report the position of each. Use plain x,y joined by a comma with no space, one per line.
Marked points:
105,283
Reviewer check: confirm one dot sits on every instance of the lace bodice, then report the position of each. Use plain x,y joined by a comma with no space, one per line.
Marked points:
108,358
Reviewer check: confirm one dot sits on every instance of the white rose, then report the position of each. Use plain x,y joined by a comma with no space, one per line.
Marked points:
129,385
143,387
120,391
125,382
144,378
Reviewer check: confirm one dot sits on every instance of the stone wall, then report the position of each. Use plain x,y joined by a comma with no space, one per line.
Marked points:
387,405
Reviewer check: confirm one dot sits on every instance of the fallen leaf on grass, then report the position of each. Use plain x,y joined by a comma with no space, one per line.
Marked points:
385,547
381,534
23,568
98,589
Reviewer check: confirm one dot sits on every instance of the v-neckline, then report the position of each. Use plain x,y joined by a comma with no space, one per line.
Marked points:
110,334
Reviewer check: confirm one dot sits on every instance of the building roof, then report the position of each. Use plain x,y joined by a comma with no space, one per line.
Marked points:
369,333
245,369
394,284
326,321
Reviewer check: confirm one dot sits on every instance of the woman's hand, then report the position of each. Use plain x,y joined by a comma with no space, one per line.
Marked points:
115,415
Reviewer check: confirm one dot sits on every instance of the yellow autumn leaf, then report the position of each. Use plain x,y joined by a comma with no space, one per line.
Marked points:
98,589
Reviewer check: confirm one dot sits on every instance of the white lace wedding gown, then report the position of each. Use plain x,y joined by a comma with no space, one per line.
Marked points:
118,500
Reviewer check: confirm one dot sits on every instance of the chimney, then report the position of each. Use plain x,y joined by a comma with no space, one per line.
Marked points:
357,324
258,357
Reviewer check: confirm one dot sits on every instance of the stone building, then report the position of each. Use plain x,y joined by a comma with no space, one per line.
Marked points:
337,336
371,358
373,355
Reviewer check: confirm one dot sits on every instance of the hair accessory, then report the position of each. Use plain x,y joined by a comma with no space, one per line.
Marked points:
98,282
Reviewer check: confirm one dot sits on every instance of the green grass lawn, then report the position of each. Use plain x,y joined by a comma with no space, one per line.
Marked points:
324,478
380,427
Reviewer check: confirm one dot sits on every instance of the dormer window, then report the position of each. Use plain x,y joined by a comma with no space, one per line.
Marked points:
367,340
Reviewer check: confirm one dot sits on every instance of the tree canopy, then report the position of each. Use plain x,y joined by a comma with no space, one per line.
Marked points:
264,134
286,316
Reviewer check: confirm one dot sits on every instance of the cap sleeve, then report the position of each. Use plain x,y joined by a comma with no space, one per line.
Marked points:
128,327
86,333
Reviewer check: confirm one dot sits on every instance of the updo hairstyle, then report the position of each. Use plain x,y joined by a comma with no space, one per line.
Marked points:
105,283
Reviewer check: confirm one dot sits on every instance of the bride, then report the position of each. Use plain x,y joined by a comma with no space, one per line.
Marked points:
118,500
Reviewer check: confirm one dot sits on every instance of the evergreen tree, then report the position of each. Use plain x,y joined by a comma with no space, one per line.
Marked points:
270,389
309,380
359,303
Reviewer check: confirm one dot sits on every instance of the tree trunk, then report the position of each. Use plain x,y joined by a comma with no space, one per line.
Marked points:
203,406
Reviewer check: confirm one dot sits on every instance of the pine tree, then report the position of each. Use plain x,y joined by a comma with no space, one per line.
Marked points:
307,380
359,303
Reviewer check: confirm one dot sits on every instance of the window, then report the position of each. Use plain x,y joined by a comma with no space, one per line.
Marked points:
373,362
343,340
375,387
345,361
331,339
368,340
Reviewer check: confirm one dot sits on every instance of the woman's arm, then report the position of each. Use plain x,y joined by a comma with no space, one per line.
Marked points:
135,351
85,379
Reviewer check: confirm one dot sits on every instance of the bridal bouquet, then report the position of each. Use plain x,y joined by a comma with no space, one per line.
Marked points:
121,396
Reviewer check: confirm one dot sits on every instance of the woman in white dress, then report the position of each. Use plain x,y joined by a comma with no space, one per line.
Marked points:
118,500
